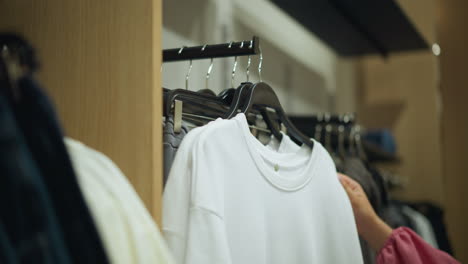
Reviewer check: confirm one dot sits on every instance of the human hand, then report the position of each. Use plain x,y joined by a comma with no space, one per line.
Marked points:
369,225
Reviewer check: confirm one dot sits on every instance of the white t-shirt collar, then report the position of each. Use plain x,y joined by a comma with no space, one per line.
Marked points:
271,163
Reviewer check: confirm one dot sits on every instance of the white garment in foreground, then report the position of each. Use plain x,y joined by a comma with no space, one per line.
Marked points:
230,199
128,232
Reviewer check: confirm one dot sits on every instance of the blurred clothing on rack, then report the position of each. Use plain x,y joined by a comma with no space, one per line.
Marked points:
129,233
30,230
43,135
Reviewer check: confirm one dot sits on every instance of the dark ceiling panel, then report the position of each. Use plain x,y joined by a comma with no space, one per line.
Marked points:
356,27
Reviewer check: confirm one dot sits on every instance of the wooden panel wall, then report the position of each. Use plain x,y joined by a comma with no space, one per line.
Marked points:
453,38
101,64
401,94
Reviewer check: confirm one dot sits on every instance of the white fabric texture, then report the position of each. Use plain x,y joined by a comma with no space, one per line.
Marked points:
176,196
284,146
125,226
422,226
230,199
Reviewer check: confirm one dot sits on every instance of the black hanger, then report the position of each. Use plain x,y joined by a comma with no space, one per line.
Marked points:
225,105
261,97
206,91
235,98
206,104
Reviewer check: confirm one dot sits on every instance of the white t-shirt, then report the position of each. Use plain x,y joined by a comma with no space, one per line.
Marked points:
126,228
285,145
230,199
176,195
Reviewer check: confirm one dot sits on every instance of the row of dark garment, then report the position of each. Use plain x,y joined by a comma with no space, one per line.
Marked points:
402,213
62,201
425,218
44,218
397,213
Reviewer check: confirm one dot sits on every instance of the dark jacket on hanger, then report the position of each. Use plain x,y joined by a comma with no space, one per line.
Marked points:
393,215
355,168
38,122
7,252
29,229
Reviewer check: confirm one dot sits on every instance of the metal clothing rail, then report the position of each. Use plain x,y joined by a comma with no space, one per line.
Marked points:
243,48
326,118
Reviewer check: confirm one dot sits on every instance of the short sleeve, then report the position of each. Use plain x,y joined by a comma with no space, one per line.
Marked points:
405,246
195,234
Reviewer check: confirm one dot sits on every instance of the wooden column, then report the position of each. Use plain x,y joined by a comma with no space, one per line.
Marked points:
101,64
453,64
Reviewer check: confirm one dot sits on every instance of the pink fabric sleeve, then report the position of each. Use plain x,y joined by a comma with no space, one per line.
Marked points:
405,246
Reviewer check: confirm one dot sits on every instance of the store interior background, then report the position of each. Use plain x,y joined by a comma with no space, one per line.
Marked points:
419,96
111,45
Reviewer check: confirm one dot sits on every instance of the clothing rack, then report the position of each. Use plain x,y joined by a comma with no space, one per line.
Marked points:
309,124
326,118
232,49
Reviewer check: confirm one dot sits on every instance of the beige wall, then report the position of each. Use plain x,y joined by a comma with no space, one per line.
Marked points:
347,84
453,39
401,93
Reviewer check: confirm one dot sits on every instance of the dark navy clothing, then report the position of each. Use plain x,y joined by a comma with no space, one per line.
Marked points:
29,229
38,122
7,251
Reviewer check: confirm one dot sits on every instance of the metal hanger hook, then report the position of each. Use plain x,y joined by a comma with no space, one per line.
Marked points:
249,62
352,142
260,63
341,130
251,44
233,74
328,135
209,68
359,145
318,128
188,75
247,72
318,133
189,69
4,49
209,73
181,49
